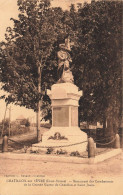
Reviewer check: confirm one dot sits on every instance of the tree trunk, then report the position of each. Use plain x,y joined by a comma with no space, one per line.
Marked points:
104,125
110,126
38,106
109,132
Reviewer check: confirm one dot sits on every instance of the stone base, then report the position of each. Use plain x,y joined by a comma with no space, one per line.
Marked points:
67,139
64,135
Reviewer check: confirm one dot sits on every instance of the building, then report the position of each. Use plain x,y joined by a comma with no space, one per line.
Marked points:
20,119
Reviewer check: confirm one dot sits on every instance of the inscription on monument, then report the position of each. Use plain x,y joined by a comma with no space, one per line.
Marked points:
61,117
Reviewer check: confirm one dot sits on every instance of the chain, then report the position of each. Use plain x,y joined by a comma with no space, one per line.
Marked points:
15,141
106,143
103,139
60,146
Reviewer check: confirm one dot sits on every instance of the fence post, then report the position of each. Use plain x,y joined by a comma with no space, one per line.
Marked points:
121,137
91,147
117,141
5,144
41,138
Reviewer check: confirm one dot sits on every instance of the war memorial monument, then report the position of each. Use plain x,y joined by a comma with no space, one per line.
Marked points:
65,133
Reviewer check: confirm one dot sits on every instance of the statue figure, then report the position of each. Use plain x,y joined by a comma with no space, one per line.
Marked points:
64,58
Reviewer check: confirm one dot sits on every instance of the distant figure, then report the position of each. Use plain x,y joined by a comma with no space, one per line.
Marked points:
64,58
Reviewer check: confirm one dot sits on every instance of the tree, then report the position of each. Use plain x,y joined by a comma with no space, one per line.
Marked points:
97,62
25,53
29,60
25,122
28,56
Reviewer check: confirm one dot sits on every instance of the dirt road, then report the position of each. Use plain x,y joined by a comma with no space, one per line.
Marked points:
113,166
110,167
105,178
57,178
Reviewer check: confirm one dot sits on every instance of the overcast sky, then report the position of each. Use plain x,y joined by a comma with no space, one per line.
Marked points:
9,9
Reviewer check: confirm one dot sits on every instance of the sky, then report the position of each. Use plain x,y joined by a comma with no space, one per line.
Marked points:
9,9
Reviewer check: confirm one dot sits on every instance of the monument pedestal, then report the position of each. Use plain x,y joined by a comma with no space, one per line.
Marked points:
64,133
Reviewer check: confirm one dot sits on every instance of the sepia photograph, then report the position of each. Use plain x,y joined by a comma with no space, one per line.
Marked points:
61,97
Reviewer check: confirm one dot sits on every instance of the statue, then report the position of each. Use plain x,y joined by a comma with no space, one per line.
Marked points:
64,58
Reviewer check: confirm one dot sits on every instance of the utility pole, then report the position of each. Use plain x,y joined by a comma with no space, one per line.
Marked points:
9,119
38,105
4,120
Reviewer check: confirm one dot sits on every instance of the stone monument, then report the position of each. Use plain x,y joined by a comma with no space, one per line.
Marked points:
65,132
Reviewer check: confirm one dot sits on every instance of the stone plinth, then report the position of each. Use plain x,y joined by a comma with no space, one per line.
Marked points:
64,131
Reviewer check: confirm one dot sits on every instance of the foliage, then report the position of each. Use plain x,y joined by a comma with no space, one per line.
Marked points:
33,42
28,45
25,122
97,61
18,129
15,129
49,150
61,151
76,153
95,30
6,123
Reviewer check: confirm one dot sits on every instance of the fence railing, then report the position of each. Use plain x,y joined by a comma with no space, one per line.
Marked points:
91,148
